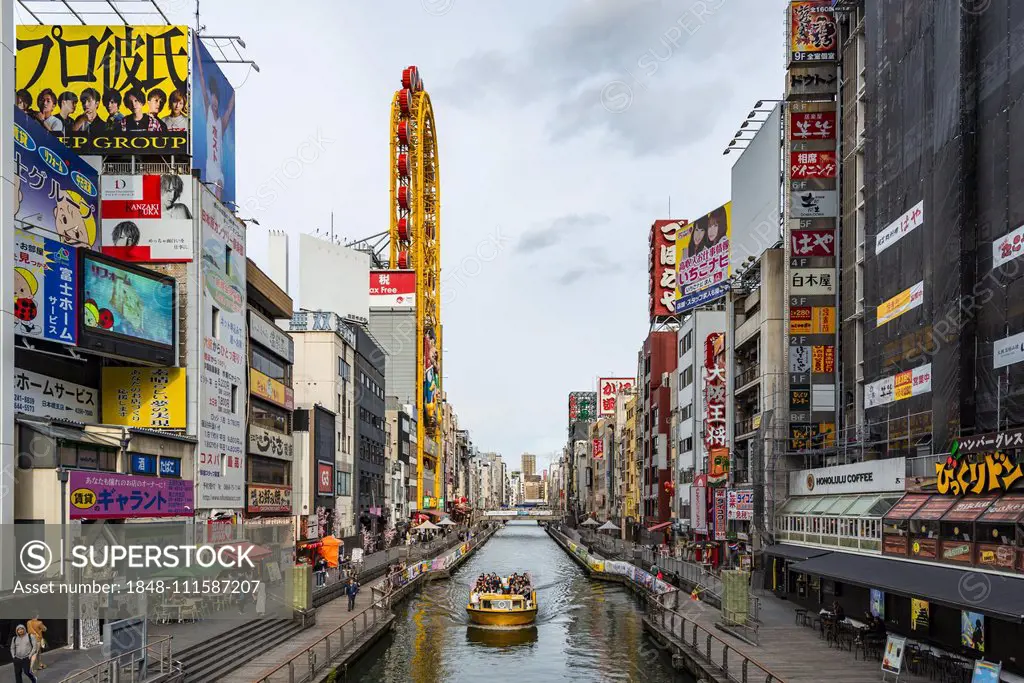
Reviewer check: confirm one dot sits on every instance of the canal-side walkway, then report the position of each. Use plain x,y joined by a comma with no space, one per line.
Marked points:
786,651
340,636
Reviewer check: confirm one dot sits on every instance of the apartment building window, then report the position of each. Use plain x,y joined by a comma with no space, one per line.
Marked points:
269,417
234,399
269,366
686,377
227,260
686,343
338,409
215,322
686,412
344,483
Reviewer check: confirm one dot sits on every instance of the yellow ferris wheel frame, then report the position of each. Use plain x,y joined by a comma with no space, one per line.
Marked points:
415,244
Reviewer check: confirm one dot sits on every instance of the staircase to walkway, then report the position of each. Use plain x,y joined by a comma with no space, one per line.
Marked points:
224,653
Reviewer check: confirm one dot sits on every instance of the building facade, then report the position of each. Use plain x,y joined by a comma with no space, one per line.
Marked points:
370,439
658,358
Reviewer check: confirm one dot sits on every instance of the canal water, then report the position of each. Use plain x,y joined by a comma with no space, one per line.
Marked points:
585,630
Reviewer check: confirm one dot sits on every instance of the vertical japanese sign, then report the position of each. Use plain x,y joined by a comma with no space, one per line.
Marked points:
607,389
661,291
715,442
53,188
45,295
221,469
107,89
721,515
811,212
582,406
597,449
150,398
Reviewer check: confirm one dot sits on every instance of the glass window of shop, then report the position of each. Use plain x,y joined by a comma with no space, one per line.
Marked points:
269,416
269,471
270,366
86,457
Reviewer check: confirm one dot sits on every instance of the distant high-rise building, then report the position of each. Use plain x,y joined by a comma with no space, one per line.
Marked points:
529,464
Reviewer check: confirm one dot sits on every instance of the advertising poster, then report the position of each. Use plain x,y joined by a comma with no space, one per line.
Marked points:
899,228
223,383
107,89
106,495
702,255
43,396
813,36
1007,248
877,604
892,658
431,372
909,383
906,300
127,303
972,630
721,525
392,289
149,398
45,297
148,218
661,268
213,124
54,190
741,504
607,389
986,672
919,615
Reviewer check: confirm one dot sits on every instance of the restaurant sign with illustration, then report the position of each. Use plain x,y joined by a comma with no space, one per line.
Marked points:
976,473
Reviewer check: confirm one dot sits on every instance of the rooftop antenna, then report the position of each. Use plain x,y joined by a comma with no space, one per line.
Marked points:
669,197
332,226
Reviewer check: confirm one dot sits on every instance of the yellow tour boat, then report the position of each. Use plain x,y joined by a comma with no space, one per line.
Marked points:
501,608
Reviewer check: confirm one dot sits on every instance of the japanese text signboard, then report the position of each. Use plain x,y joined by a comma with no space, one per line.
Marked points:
144,397
148,218
607,389
222,440
812,242
810,165
106,495
597,449
703,257
265,498
393,288
813,35
899,228
741,504
42,396
107,89
661,270
582,406
53,188
810,126
45,294
714,410
721,515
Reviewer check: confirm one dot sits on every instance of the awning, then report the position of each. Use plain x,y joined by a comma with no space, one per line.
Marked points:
936,583
437,514
935,509
907,506
72,434
794,552
659,526
1008,508
969,509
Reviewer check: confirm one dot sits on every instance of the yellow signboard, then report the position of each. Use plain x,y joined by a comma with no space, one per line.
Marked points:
107,89
900,304
269,389
823,320
149,398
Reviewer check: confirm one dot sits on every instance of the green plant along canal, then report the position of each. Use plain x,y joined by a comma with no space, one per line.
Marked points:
585,631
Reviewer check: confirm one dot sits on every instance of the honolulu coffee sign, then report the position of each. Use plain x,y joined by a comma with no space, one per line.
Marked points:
864,477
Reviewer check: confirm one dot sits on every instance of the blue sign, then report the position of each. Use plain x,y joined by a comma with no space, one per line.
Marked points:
143,464
45,288
213,124
697,299
54,190
170,467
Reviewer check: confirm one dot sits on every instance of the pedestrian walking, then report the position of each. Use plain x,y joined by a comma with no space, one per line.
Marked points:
24,647
261,599
351,590
36,629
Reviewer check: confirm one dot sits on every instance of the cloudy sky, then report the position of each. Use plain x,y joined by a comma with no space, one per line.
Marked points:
565,126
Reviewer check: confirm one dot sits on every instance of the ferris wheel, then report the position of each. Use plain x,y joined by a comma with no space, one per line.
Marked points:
415,234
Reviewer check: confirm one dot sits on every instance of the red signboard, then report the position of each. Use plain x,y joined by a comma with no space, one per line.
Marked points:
607,388
393,288
662,268
324,479
812,242
808,165
598,449
714,401
812,126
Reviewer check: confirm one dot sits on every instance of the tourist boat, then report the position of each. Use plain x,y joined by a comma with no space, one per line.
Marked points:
503,609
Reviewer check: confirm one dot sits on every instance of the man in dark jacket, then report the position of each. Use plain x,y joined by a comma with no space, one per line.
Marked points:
23,648
351,590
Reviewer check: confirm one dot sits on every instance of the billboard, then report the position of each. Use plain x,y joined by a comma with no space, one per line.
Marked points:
699,508
213,124
44,396
898,387
106,495
893,308
702,252
393,289
126,302
221,472
721,515
597,448
107,89
740,504
431,372
714,411
148,218
899,228
813,35
582,406
53,189
45,297
270,389
607,388
661,291
149,398
812,165
812,125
